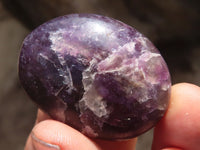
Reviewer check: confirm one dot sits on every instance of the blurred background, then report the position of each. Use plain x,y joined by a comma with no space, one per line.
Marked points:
173,26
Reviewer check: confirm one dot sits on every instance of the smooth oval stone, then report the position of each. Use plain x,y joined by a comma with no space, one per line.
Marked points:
96,74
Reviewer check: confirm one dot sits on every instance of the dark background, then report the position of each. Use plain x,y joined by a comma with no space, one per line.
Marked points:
173,26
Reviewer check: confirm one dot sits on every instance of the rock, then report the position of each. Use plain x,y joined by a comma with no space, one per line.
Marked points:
96,74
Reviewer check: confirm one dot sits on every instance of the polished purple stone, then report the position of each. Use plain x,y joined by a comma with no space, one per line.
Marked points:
96,74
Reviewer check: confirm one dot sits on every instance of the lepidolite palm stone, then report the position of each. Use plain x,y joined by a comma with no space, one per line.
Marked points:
96,74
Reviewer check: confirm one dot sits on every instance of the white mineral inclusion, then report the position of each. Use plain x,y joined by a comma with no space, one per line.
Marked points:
97,28
91,99
57,40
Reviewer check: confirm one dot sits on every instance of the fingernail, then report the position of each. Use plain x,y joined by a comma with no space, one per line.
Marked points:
42,145
172,149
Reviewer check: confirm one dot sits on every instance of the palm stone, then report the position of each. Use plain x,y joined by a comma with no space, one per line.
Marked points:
96,74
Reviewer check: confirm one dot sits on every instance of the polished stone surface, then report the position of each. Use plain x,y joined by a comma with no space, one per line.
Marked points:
97,74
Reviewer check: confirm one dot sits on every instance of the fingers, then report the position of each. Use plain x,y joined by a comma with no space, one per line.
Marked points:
50,134
180,128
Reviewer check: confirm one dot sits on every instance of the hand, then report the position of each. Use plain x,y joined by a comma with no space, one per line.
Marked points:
179,129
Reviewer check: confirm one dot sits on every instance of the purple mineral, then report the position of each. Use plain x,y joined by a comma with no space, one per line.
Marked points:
96,74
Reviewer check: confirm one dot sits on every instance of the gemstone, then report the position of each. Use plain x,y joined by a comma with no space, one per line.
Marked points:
96,74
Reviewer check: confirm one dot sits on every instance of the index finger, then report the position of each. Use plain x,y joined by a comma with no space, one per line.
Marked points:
180,127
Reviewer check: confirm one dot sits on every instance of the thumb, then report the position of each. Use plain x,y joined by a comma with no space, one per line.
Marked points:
53,135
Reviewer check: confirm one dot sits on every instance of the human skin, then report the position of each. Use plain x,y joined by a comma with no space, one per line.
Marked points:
179,129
